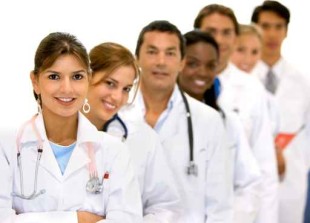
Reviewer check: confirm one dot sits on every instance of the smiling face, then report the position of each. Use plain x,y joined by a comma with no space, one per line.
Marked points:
247,52
62,87
199,70
108,93
160,61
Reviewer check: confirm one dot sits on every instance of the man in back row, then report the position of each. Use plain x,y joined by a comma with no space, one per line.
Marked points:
291,90
244,95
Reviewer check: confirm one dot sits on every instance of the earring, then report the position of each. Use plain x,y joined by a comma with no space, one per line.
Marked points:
39,104
86,106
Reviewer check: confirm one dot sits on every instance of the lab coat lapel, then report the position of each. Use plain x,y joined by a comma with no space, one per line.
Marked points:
48,160
87,133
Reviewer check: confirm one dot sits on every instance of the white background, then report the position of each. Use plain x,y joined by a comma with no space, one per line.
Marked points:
25,22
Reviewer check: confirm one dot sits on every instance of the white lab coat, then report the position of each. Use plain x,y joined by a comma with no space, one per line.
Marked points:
293,98
244,94
207,197
160,198
247,175
65,194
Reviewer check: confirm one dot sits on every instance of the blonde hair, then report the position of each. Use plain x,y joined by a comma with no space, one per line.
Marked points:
251,29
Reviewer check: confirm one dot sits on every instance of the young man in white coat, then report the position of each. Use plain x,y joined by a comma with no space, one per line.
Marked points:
243,94
192,133
291,90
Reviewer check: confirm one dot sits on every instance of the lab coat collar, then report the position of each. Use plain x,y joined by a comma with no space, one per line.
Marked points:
136,111
79,158
277,68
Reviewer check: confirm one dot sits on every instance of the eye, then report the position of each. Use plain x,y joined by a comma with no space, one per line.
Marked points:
192,64
78,77
151,51
212,66
127,89
255,52
110,84
171,53
53,76
240,49
228,32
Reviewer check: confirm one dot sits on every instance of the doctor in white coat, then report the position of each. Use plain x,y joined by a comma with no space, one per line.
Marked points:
192,133
115,75
197,79
292,93
57,167
244,95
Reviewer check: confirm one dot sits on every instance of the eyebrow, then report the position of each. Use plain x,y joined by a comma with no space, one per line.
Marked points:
110,78
78,71
156,48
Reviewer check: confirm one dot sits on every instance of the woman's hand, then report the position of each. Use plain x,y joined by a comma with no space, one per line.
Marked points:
88,217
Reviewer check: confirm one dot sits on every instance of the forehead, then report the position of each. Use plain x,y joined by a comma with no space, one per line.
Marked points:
201,50
217,21
67,62
249,38
159,39
270,17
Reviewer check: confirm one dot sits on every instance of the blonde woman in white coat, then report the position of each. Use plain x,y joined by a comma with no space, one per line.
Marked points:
62,169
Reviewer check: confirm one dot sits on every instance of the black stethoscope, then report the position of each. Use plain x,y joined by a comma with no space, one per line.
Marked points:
192,168
121,122
93,185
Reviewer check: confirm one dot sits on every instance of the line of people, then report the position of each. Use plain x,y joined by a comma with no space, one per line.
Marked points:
187,129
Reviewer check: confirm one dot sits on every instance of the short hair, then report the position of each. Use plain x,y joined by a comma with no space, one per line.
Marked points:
216,8
271,6
161,26
196,36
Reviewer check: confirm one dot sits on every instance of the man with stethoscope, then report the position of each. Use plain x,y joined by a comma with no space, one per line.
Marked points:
57,167
192,134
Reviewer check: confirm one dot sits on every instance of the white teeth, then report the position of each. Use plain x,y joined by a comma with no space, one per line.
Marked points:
111,106
65,99
200,82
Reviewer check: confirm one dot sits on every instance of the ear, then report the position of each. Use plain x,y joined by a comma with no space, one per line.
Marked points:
34,80
182,64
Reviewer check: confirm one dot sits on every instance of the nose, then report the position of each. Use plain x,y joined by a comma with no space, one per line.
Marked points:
117,95
161,58
66,85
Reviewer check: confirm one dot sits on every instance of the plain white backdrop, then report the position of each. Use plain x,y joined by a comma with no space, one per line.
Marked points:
25,22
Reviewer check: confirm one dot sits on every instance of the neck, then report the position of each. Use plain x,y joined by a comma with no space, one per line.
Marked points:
99,123
221,67
155,103
271,59
61,130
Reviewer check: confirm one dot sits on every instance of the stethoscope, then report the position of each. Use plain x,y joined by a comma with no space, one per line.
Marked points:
121,122
192,168
94,185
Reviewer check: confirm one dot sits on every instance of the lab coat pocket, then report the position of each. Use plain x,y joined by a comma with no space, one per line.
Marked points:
96,202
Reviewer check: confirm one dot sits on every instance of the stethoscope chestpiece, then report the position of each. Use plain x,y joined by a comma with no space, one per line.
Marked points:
192,169
94,185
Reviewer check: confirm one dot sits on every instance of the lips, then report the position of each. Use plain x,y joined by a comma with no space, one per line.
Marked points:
159,73
200,83
109,106
65,100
